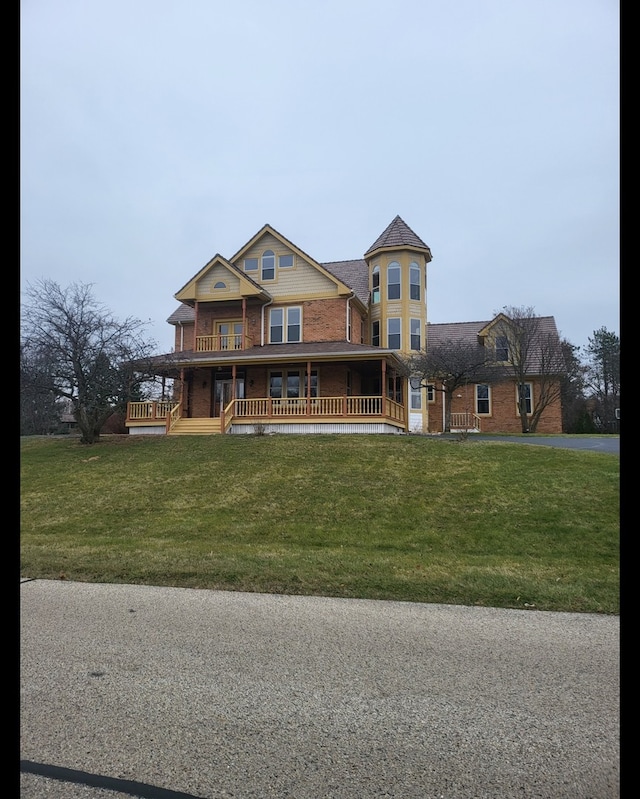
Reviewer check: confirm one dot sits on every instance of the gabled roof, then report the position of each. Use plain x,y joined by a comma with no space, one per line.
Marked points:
398,234
248,286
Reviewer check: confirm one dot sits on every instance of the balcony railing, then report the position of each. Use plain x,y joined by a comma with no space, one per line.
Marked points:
223,343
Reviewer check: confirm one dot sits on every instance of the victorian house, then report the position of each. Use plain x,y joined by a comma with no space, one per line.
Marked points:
271,340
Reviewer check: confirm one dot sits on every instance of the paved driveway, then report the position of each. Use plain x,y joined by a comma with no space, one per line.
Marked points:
610,444
170,693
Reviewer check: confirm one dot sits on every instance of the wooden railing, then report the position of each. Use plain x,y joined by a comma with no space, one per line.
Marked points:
272,408
268,407
465,421
223,343
148,411
173,416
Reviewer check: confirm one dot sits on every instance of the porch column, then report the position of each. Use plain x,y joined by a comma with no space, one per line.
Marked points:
384,388
308,410
195,329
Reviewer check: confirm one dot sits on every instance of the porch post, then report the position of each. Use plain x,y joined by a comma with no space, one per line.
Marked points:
384,388
308,410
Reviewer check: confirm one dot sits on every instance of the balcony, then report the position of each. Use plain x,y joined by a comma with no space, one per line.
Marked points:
223,342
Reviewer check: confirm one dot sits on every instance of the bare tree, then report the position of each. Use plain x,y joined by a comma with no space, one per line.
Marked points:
94,361
448,367
532,348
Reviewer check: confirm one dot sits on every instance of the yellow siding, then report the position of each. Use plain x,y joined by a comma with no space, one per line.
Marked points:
301,281
204,286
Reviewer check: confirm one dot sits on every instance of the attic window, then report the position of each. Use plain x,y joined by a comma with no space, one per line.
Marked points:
285,261
220,285
250,264
268,265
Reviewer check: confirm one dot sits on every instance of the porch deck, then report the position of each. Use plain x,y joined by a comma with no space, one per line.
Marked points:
265,412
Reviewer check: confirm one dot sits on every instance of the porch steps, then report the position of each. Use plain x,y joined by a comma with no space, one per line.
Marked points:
195,427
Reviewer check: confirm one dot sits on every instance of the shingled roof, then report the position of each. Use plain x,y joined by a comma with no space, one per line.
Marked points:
398,234
442,334
354,274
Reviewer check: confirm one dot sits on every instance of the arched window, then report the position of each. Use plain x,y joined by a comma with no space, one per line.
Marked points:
393,281
268,265
220,285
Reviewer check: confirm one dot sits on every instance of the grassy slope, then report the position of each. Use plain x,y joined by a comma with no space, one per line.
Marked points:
387,517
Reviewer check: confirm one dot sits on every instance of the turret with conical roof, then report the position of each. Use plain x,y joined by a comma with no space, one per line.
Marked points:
398,234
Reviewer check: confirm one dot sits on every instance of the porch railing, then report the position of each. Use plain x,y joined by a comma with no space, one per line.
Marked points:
268,407
465,421
223,342
148,411
276,408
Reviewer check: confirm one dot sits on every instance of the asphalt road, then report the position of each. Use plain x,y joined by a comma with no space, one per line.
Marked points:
170,693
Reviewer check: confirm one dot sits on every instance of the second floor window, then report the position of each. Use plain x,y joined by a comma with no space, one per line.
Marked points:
285,325
375,334
393,333
393,281
416,339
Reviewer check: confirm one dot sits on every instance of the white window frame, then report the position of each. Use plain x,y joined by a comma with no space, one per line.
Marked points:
285,324
398,333
486,399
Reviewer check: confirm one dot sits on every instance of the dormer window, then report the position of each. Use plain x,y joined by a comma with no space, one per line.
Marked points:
502,349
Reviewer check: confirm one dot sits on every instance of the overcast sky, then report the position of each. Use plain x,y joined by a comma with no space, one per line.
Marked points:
158,133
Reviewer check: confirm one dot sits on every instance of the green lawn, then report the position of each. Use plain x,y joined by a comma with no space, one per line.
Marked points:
410,518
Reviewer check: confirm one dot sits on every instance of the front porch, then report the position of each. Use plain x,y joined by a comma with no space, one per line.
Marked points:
341,414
